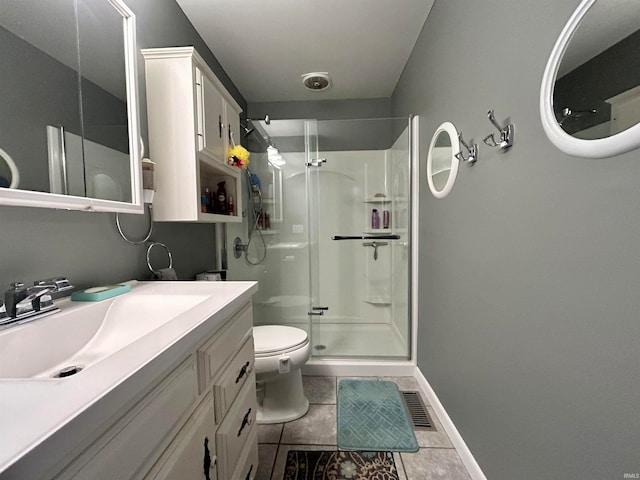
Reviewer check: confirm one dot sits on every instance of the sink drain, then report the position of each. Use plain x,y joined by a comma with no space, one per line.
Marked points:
68,371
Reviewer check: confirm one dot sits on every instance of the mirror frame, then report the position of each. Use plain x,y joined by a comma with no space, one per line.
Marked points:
621,142
26,198
450,129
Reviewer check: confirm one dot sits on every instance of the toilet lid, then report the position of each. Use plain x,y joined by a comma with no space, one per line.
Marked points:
275,338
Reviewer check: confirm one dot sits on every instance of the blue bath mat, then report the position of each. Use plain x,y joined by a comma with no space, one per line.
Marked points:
372,416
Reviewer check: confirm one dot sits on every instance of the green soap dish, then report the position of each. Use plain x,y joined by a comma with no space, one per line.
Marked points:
96,294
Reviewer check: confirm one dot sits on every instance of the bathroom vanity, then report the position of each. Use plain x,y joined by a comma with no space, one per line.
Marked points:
166,389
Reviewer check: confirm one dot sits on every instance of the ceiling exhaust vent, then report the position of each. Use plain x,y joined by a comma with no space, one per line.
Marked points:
316,81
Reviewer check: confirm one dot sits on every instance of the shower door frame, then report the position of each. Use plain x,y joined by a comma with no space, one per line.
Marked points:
316,310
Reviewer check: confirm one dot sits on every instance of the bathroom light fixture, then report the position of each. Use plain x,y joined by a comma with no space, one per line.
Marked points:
316,81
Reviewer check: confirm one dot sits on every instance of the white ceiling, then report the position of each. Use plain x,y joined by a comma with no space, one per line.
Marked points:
265,46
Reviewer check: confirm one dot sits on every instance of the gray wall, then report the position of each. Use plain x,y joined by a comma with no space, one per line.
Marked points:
86,247
529,271
332,135
323,109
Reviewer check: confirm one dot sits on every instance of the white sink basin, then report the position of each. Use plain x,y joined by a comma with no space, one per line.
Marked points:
83,334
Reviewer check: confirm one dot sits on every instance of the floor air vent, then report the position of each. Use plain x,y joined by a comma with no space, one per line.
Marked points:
417,411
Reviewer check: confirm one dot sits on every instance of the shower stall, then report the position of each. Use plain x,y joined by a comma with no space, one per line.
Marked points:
327,233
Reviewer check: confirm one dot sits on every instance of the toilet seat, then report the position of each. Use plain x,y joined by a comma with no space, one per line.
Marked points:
270,340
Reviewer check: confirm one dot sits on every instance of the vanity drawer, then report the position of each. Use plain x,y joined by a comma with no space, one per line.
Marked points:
248,465
236,429
130,443
213,355
226,388
184,459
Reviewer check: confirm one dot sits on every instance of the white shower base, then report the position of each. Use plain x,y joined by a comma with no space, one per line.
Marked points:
368,340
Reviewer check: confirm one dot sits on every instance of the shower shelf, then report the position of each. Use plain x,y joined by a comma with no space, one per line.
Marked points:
378,300
378,200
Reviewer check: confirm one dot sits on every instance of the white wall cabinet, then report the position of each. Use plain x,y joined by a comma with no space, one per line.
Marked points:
192,121
210,108
195,423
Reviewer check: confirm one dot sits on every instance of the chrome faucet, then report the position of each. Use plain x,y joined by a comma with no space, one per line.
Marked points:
21,302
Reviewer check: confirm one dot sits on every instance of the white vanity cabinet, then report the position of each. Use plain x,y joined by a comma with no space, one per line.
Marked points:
197,422
193,120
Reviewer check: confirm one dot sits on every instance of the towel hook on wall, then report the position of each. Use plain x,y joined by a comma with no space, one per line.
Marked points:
506,134
472,152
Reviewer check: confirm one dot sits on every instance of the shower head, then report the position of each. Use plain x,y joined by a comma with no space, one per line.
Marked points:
266,120
568,113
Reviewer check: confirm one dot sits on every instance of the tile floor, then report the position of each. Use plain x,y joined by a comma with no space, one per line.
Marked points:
436,459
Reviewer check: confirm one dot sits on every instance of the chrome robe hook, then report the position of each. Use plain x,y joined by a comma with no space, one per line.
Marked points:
505,134
472,152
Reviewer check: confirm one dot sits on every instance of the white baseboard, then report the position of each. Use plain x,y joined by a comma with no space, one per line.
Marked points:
461,447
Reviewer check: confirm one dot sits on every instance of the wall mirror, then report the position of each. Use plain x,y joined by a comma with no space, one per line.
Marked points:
590,94
69,131
442,164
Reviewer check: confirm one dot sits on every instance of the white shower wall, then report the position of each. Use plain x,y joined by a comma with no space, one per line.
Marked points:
366,297
350,279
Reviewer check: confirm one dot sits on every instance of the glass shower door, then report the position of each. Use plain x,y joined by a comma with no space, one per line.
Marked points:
358,171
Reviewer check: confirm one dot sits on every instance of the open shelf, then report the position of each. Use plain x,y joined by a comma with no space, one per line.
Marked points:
377,200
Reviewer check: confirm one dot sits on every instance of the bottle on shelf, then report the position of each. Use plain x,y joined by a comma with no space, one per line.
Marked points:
204,200
231,206
386,217
221,199
211,206
375,219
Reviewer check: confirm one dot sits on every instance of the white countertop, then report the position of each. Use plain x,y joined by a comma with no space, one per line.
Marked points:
34,413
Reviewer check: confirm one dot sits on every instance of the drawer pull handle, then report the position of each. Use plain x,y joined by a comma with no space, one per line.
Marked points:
245,421
207,459
245,370
248,477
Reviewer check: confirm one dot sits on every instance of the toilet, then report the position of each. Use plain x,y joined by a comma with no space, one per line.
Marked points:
280,353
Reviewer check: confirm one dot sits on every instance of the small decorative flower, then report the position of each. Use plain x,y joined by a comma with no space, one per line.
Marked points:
238,156
348,469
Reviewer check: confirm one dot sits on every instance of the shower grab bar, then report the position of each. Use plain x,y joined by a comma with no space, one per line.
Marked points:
365,237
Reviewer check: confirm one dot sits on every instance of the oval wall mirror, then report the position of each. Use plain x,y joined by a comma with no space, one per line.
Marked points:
590,93
442,164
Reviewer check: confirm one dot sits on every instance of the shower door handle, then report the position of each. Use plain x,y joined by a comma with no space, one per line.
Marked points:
365,237
318,310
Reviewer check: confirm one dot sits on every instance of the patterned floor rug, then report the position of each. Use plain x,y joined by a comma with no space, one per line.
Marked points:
339,465
372,417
